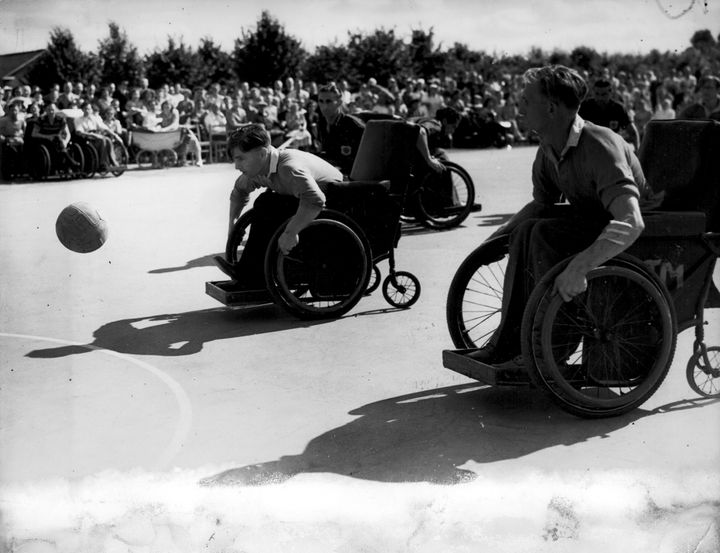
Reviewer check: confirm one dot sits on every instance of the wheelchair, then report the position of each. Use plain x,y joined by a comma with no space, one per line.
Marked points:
91,157
45,159
336,261
436,201
608,350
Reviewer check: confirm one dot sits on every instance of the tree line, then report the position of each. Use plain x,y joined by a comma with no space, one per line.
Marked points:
267,53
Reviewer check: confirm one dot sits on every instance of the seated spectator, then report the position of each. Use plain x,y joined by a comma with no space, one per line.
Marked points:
214,120
109,117
12,132
90,127
236,116
664,109
68,99
296,128
51,129
169,120
185,106
708,104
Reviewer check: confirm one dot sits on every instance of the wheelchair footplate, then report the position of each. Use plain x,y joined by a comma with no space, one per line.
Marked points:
457,360
229,293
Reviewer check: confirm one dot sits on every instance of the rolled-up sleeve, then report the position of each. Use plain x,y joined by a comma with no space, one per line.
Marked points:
611,172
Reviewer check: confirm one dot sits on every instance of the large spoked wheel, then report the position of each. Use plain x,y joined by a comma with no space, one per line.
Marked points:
401,289
703,372
91,161
446,199
39,162
75,153
122,157
326,274
238,237
608,350
374,282
474,300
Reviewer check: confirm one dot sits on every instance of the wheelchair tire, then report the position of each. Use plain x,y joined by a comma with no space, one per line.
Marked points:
122,157
703,373
238,237
91,161
39,162
374,282
440,208
474,299
401,289
326,274
608,350
75,152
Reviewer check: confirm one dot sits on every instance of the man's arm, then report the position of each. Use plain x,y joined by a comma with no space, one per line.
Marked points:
618,235
311,202
238,201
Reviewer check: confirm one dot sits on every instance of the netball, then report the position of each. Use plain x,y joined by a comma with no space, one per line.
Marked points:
81,228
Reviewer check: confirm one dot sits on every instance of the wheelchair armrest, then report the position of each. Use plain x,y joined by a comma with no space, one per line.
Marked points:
363,184
660,224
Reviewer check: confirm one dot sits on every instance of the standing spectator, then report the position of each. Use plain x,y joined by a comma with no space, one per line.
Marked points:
603,110
339,133
708,104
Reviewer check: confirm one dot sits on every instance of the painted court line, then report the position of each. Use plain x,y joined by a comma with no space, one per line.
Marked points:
184,418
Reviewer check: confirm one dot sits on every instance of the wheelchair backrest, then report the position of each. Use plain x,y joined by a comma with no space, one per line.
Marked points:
386,152
682,159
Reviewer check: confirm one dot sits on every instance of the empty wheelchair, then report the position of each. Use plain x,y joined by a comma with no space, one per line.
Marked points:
608,350
336,261
434,200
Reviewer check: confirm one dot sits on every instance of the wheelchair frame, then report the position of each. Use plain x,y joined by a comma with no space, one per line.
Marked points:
670,268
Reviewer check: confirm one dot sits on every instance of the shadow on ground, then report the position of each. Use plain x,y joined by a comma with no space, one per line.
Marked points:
173,334
493,220
428,436
204,261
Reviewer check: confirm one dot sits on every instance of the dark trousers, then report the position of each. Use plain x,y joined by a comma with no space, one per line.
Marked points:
270,211
536,246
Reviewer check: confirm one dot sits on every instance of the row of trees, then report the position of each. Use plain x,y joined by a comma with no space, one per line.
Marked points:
268,53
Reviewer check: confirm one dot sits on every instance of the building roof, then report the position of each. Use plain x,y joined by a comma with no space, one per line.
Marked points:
13,65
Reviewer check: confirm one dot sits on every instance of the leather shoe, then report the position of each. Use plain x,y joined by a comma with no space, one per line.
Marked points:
516,365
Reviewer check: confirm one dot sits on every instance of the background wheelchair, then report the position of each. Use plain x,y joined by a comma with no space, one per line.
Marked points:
607,351
45,159
91,157
437,201
336,261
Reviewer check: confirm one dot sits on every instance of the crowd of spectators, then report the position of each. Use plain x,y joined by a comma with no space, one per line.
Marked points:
289,108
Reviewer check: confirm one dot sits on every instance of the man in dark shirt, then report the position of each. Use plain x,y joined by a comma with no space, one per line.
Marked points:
602,110
339,134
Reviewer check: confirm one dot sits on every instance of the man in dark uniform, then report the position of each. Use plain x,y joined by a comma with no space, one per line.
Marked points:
602,110
339,134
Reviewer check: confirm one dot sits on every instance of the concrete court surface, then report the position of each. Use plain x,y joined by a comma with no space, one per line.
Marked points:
139,414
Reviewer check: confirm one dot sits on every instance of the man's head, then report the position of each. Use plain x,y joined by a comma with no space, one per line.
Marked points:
551,95
602,91
329,101
249,148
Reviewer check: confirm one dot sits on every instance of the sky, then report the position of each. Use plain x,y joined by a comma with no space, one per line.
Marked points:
493,26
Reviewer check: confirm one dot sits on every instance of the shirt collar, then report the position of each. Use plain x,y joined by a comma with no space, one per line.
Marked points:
574,135
274,158
572,140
